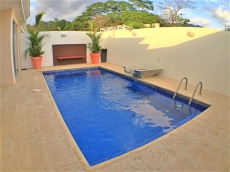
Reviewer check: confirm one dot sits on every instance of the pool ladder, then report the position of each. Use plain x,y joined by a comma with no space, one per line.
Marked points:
186,84
200,83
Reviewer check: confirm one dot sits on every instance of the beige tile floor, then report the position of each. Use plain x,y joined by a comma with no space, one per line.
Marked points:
34,137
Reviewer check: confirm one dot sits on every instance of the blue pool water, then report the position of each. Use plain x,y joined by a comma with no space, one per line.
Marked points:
109,114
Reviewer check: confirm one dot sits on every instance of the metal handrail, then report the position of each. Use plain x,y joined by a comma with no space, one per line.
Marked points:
177,107
180,85
200,83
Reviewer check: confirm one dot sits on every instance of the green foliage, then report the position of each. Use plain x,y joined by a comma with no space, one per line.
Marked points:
185,22
71,27
116,12
35,43
113,19
142,5
51,25
94,10
123,6
61,24
38,18
94,46
47,26
139,16
134,13
102,9
92,26
35,38
136,25
80,23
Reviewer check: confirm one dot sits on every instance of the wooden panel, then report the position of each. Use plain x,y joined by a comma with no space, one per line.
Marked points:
69,50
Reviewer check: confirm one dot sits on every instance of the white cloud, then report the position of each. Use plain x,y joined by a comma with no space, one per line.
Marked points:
220,14
223,16
200,21
202,15
61,9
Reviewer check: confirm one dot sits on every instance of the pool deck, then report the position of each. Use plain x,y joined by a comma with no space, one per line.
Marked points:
34,137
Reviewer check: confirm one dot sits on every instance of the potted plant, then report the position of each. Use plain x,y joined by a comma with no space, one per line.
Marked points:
36,43
94,45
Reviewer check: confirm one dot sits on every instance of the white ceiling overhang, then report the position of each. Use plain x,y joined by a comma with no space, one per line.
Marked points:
21,8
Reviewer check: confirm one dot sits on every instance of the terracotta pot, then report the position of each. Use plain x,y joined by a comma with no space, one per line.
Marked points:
95,57
37,61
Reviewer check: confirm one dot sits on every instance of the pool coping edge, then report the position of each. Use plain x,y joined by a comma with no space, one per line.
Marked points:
74,145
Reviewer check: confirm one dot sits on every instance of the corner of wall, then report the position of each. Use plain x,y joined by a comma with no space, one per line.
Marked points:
7,71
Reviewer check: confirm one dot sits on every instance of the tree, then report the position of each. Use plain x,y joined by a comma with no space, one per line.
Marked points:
170,9
124,6
94,10
133,17
181,21
113,19
111,13
142,5
103,9
100,21
47,26
61,24
185,22
134,13
115,8
80,23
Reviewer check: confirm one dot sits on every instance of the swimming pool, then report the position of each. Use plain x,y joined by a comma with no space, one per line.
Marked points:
109,114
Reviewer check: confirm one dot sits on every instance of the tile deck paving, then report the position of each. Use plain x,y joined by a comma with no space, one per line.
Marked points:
33,137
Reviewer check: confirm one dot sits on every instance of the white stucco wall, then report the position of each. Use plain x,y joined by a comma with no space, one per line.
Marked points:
204,57
7,73
53,38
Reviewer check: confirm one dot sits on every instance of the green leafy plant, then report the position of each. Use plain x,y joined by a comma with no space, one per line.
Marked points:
35,43
94,46
35,38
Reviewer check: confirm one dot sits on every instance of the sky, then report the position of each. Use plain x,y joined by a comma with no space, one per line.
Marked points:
208,13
